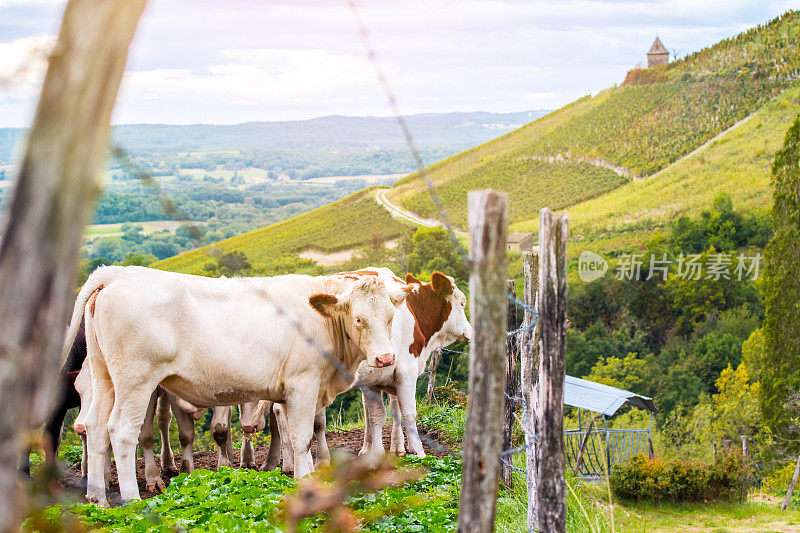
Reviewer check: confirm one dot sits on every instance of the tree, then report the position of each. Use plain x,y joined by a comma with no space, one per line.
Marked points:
433,249
55,191
780,370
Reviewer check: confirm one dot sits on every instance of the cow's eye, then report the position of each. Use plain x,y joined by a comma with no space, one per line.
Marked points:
359,322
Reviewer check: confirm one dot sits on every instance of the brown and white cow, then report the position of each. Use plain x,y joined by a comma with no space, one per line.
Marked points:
432,317
221,342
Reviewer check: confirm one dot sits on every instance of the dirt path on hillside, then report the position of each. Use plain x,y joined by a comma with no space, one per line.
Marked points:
349,440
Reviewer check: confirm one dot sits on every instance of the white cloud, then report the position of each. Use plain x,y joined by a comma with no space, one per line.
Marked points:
241,60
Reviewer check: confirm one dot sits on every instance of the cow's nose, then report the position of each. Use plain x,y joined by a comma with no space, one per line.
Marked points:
386,359
80,429
249,429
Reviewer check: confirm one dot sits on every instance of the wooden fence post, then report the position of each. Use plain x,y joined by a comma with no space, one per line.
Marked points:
790,490
745,450
52,201
436,356
511,384
714,452
529,373
551,486
488,226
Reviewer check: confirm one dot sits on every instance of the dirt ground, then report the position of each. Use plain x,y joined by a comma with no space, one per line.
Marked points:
350,440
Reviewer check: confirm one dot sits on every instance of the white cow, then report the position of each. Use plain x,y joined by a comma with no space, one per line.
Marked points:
221,342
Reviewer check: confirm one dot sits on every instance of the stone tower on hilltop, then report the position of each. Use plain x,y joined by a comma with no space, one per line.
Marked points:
658,54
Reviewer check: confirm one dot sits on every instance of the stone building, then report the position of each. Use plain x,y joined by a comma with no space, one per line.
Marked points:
520,242
658,54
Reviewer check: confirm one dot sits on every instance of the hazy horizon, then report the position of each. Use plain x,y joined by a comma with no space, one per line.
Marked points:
224,63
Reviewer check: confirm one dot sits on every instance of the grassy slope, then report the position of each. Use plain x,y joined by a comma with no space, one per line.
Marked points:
738,163
344,224
642,128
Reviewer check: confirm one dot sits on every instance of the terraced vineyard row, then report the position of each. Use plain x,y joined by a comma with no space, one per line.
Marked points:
530,184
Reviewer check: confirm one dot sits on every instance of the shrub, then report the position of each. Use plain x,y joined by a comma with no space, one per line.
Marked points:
682,481
450,395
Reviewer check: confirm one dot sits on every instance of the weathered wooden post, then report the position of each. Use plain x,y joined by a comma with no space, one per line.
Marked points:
551,486
433,364
511,384
790,490
53,196
714,452
529,373
745,450
488,225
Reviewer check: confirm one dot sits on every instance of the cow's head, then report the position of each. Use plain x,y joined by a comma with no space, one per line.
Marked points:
438,308
366,309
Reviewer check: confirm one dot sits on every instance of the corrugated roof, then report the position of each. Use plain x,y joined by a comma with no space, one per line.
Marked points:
602,399
658,47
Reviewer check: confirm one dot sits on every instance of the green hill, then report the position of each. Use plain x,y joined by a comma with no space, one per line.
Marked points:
345,224
641,127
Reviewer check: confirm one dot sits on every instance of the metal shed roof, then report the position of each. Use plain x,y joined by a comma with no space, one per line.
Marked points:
601,398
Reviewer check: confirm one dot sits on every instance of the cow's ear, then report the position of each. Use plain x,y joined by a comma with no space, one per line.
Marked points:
411,279
325,304
441,284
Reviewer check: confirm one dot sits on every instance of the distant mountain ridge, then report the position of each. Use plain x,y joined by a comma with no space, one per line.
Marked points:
456,130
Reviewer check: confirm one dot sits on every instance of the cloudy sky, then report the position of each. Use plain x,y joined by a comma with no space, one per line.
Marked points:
232,61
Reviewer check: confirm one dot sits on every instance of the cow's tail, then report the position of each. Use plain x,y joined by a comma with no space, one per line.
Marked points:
96,282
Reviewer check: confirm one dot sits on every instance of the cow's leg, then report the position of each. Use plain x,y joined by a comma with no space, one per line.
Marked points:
398,444
375,419
152,472
107,466
164,419
408,410
52,431
221,430
246,457
320,425
274,454
287,454
96,427
300,411
84,458
185,432
130,406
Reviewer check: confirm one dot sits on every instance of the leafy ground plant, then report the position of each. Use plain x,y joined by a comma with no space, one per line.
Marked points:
248,500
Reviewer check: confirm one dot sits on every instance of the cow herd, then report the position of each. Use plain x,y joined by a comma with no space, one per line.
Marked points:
146,345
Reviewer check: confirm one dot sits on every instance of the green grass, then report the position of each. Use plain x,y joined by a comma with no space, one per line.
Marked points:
345,224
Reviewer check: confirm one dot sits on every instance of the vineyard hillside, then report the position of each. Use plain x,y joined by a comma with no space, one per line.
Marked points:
345,224
627,133
737,163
